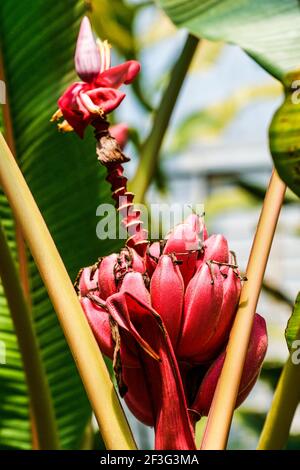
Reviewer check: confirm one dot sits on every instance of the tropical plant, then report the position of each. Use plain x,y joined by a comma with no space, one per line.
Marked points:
54,375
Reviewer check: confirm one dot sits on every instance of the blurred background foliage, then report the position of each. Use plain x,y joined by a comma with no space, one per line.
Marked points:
215,152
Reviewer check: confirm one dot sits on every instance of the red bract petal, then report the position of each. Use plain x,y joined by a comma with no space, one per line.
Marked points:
167,294
120,133
98,319
137,397
231,292
88,281
202,304
77,116
216,248
107,99
184,242
122,316
152,256
254,359
137,262
134,284
173,429
87,57
116,76
106,276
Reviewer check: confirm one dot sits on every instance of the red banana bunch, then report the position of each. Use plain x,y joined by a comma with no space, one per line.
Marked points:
164,319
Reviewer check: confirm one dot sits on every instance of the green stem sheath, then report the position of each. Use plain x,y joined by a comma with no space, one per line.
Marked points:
276,429
39,392
151,148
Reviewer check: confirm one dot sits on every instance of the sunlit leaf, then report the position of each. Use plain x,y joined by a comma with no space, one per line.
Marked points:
293,326
269,30
284,136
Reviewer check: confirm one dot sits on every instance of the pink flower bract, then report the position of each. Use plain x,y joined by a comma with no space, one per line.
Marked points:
89,101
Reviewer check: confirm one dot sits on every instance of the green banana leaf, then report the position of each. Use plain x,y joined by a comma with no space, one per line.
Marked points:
37,40
269,31
284,138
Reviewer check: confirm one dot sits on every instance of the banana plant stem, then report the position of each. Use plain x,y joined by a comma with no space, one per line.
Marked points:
221,412
40,397
276,429
151,148
100,390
